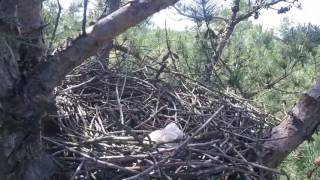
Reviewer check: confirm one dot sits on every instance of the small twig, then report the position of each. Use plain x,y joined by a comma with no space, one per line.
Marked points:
147,171
169,48
207,122
100,120
119,105
151,116
198,130
84,20
53,36
107,164
77,170
78,85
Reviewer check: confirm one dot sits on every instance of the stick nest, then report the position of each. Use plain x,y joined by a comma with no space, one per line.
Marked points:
104,117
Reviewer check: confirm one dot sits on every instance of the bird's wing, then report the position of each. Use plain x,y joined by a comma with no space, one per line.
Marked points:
169,137
173,128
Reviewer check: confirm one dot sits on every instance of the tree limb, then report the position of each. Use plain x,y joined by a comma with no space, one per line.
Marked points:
298,127
49,74
84,20
235,19
103,53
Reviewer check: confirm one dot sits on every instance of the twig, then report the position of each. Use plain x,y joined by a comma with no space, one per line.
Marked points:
79,85
107,164
145,172
56,24
198,130
84,20
77,170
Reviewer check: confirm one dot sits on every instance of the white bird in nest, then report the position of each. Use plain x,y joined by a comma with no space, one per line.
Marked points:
168,134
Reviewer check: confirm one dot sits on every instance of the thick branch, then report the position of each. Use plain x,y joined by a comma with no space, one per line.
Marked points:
234,19
104,52
298,127
227,32
50,73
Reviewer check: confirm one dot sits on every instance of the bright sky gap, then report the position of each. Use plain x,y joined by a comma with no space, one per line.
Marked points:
269,19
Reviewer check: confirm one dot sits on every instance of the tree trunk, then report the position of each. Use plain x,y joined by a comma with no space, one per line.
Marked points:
21,49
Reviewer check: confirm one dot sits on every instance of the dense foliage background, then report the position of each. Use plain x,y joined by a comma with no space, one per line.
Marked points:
270,67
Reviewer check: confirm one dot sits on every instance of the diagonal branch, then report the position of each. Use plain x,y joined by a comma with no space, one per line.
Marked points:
235,19
49,74
299,126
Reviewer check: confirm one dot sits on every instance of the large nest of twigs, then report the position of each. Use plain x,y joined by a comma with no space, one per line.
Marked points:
104,118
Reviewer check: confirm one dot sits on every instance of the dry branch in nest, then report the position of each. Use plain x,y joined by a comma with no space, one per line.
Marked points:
104,118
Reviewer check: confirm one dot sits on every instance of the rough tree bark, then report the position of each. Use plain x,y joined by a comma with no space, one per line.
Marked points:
27,82
299,126
103,54
26,97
